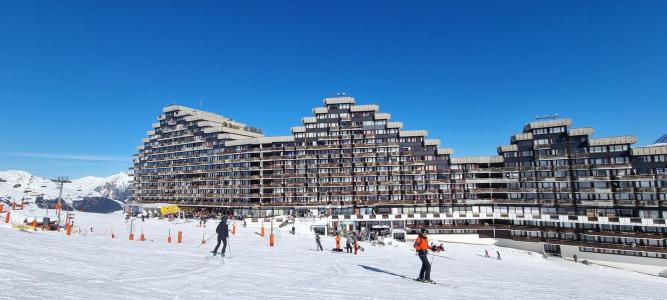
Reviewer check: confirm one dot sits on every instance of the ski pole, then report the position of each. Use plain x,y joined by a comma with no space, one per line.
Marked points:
229,244
210,237
445,257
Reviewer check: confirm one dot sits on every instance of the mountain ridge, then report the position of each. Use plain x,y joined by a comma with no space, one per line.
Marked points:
17,185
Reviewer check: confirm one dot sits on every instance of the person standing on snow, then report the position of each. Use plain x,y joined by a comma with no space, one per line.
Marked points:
223,232
338,243
348,245
422,247
498,255
317,240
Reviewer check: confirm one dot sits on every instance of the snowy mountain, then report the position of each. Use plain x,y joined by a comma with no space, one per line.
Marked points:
662,140
93,193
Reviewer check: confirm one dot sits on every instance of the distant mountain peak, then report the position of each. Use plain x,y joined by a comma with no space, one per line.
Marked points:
16,185
662,140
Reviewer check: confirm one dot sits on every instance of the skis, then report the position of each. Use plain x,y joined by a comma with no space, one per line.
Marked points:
373,269
431,282
424,281
216,253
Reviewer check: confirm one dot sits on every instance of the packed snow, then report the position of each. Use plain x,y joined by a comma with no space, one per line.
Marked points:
16,185
90,264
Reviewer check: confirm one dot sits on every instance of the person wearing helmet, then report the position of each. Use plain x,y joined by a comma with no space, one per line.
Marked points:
422,246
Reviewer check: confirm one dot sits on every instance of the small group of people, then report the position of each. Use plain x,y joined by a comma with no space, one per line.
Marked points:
486,254
351,244
202,221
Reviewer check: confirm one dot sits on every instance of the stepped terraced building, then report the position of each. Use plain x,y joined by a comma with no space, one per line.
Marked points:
553,185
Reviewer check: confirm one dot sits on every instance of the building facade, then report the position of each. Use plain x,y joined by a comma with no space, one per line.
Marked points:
552,183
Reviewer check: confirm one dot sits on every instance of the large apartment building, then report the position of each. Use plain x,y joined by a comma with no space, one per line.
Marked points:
553,183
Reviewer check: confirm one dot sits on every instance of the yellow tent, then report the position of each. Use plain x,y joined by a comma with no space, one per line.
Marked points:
170,209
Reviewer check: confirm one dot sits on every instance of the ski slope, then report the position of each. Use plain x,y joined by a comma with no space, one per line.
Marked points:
87,265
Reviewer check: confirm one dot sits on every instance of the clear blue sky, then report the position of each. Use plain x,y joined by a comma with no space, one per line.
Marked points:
82,81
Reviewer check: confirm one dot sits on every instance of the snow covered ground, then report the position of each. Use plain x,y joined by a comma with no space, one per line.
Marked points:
88,265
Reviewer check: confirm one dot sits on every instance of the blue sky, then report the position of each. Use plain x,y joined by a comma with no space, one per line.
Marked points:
82,81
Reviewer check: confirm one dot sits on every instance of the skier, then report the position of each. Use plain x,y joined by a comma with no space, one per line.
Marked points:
293,230
498,255
317,240
244,224
223,233
348,246
575,258
422,247
486,253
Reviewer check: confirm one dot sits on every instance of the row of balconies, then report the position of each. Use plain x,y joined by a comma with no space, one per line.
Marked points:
411,182
508,216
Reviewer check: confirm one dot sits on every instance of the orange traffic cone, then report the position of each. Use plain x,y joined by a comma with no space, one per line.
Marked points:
203,241
261,232
68,228
234,229
131,236
2,207
271,240
13,205
7,218
169,237
180,237
22,204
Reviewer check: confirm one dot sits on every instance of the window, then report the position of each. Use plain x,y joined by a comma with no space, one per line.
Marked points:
619,160
542,142
599,161
509,154
599,149
618,148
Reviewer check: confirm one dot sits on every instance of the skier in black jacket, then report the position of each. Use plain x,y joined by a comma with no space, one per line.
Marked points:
223,233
